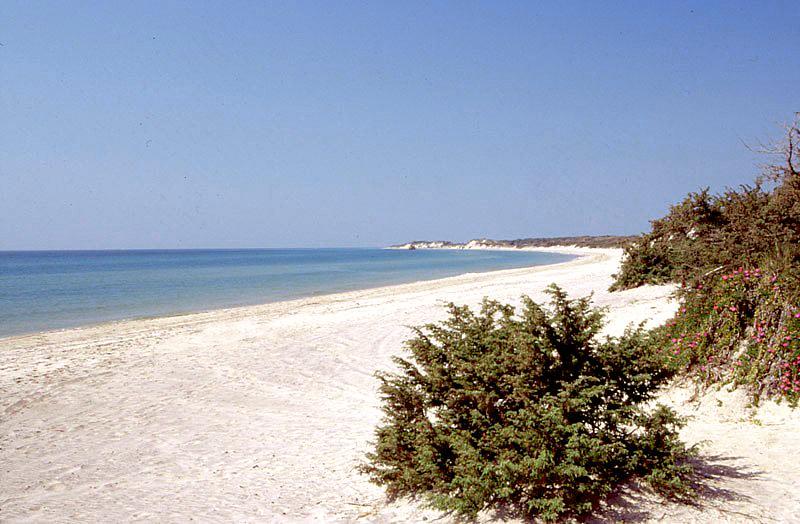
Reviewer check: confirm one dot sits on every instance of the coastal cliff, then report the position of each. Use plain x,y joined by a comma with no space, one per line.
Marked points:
604,241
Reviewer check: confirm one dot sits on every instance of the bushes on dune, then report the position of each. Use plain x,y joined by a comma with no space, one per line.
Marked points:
742,227
741,327
737,256
529,412
535,414
738,227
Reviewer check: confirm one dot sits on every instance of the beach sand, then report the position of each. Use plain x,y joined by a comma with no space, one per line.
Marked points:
263,413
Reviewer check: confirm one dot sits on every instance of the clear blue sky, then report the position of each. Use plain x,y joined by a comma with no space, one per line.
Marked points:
183,124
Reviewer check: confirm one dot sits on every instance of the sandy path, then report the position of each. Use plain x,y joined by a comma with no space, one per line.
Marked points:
262,413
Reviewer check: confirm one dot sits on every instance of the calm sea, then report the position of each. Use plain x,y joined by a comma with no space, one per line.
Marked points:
45,290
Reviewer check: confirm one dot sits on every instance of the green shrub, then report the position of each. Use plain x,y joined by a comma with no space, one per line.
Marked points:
745,227
532,413
735,325
736,228
740,327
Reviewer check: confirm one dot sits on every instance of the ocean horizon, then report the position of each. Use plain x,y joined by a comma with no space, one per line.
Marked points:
48,290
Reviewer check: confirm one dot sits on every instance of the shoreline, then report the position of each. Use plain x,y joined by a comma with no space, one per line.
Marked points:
263,413
170,416
567,250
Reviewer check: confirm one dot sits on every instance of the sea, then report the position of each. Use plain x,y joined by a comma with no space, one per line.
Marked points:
47,290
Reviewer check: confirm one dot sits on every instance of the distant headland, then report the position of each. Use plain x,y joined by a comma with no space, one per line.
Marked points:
603,241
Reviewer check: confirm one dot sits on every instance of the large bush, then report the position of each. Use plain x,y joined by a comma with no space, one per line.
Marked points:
748,226
737,256
738,227
532,413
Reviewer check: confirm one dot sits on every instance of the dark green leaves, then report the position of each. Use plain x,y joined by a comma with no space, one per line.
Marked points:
531,412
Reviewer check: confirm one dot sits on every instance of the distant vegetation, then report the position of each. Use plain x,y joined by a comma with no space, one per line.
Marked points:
532,414
737,258
604,241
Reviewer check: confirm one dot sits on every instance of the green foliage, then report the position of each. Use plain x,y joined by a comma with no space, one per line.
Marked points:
746,227
742,328
531,413
735,325
703,232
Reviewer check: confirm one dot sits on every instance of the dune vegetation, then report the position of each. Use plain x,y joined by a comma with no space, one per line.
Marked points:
736,256
530,413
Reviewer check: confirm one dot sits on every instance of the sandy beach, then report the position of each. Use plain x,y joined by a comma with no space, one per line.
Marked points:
263,413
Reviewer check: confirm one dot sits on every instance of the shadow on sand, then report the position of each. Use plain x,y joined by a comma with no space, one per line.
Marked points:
635,504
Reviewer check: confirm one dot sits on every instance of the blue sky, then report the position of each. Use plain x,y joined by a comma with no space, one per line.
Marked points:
271,124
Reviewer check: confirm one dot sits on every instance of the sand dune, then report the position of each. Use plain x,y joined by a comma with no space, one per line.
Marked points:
262,413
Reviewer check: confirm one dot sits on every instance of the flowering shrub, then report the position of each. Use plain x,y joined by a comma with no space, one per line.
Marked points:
738,321
741,327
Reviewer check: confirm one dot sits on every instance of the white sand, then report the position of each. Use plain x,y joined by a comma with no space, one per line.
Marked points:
262,413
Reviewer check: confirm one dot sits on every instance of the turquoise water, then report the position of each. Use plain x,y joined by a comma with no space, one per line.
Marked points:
42,290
